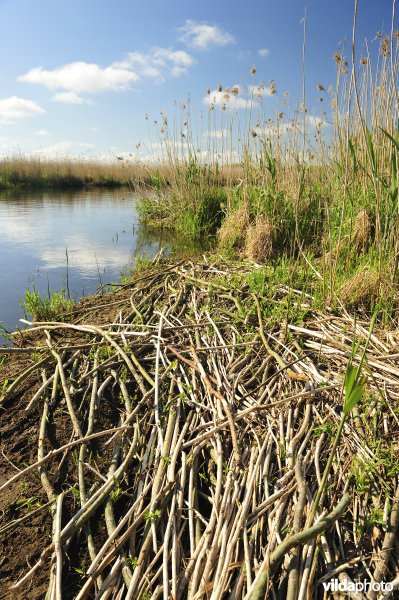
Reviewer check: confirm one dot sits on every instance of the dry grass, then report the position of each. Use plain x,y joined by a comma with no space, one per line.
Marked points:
32,171
260,244
363,231
232,233
28,171
362,290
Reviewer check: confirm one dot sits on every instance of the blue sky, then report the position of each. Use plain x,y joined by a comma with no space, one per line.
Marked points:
77,77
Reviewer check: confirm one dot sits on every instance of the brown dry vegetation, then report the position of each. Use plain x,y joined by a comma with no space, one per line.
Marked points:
260,243
217,421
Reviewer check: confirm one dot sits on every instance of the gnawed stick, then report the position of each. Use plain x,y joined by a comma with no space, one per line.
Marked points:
259,588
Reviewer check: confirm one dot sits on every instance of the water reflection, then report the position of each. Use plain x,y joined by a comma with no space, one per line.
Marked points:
49,240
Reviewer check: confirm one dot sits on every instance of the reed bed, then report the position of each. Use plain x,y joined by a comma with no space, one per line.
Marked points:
20,171
180,439
319,166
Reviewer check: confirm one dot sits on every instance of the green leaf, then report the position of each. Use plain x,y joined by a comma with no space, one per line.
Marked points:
350,379
371,149
355,396
395,142
353,153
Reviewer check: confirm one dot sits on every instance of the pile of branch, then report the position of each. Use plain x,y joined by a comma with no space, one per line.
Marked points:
204,483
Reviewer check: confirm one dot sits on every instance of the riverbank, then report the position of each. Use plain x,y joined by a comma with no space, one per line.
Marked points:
30,173
226,385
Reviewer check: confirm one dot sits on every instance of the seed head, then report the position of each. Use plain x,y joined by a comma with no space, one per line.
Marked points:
220,87
235,90
272,88
320,87
384,46
364,60
337,58
253,71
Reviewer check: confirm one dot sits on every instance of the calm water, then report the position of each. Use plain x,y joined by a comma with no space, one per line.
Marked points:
78,240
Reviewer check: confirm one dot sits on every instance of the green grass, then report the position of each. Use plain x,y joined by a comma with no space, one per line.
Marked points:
51,308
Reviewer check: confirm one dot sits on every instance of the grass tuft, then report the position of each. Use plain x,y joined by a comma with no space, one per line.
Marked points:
260,244
53,307
362,290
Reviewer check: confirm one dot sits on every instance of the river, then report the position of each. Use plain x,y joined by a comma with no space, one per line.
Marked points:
75,240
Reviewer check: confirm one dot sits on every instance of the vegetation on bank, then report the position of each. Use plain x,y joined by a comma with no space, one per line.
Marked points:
204,431
315,196
39,173
44,307
27,172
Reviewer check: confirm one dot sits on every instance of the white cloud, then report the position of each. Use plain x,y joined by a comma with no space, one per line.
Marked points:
84,254
159,63
70,98
76,78
216,133
263,52
224,99
178,71
63,149
283,128
80,258
176,57
236,98
260,91
15,108
82,77
42,133
203,36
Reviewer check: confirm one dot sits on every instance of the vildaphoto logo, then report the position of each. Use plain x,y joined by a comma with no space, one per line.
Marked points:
335,585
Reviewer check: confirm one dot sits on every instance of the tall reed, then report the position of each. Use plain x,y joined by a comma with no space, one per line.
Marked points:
319,186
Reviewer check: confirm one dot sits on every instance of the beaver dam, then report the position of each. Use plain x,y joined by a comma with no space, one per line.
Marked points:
181,438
